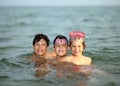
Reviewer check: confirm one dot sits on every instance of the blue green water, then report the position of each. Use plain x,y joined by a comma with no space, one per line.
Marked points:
18,25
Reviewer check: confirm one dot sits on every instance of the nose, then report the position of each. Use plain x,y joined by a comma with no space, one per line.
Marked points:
76,49
61,46
39,46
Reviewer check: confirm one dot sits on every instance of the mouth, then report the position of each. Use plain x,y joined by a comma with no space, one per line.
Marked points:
76,53
61,50
40,50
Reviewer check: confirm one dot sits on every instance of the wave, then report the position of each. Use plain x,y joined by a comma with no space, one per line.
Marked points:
6,62
10,47
15,25
2,77
5,39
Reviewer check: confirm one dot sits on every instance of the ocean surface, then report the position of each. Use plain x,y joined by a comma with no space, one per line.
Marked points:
18,25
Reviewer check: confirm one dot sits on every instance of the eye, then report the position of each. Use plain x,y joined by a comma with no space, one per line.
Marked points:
57,45
37,44
73,46
43,45
64,45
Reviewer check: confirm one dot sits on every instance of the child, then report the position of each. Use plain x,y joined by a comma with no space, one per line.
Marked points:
41,55
40,47
77,46
60,46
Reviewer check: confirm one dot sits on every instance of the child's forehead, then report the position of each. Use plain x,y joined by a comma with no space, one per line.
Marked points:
78,40
41,40
60,44
60,41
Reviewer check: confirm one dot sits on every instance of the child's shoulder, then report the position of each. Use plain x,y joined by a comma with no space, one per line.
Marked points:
87,59
66,58
50,55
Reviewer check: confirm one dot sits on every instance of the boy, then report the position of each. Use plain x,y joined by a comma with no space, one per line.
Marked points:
60,46
41,54
41,46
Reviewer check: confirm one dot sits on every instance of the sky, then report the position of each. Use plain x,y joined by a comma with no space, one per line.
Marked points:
57,2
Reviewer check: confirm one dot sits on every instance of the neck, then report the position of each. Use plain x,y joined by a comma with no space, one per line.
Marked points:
79,55
58,57
39,56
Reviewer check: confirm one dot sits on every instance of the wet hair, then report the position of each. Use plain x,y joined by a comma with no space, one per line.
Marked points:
38,37
60,37
84,45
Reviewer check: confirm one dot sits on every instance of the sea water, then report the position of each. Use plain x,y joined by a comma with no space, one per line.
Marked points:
18,25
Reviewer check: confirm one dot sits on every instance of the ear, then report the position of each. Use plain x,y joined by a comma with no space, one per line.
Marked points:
54,48
84,46
68,47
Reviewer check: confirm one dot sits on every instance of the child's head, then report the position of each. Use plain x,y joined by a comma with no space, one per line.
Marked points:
40,44
77,35
77,42
60,45
38,37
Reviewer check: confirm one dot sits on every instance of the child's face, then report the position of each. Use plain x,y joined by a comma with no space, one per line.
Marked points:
61,49
40,47
77,47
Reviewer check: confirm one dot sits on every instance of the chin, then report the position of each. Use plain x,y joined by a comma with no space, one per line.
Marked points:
39,54
61,55
76,54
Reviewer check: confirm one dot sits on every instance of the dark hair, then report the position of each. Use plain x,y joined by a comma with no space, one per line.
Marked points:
38,37
61,37
84,45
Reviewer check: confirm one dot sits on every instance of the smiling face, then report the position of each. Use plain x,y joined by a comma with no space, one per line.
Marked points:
77,47
40,48
60,47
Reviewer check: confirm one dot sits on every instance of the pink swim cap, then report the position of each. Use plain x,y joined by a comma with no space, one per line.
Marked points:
59,40
76,34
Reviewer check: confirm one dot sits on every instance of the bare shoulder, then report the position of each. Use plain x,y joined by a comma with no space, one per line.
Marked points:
66,59
87,59
50,55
